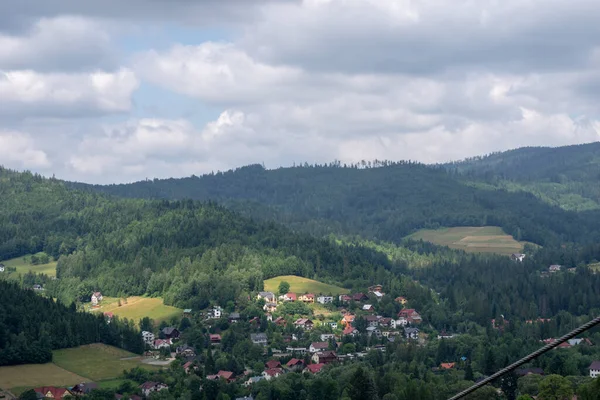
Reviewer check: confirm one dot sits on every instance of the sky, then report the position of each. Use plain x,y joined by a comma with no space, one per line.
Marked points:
112,91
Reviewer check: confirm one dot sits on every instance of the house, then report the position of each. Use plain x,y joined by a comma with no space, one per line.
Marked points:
96,298
348,319
253,380
411,333
227,375
109,316
280,321
148,337
444,335
187,312
324,357
307,298
38,287
447,365
578,341
272,364
554,268
189,366
2,267
378,295
344,298
325,299
349,330
398,323
234,317
401,300
270,307
314,368
529,371
290,297
304,323
269,317
518,257
271,373
327,336
375,288
594,369
215,313
411,315
318,346
295,364
268,296
83,388
185,351
150,387
51,392
333,325
259,339
170,332
373,330
368,308
215,339
299,350
385,322
162,344
372,320
360,297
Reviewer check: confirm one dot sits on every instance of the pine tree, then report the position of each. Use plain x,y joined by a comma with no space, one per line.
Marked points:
362,386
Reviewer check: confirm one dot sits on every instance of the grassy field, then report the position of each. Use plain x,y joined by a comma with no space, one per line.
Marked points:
97,362
139,307
487,239
24,267
302,285
23,377
595,267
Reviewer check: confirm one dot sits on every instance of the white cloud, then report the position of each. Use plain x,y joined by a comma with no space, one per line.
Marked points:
32,94
18,149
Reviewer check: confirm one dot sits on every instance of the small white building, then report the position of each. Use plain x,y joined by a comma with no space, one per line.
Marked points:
217,312
96,298
327,336
399,323
333,325
325,299
148,337
1,267
594,369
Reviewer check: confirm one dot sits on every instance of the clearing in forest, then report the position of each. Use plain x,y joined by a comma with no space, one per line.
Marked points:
23,266
299,284
138,307
486,239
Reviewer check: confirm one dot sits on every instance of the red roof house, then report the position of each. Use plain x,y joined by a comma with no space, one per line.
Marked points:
273,364
314,368
52,392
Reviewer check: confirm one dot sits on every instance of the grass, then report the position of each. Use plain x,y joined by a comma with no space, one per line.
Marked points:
114,383
299,284
97,362
595,267
24,267
20,378
139,307
487,239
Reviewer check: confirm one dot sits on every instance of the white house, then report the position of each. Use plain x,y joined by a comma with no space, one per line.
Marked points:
96,298
162,344
325,299
411,333
378,295
217,312
327,336
149,387
148,337
1,267
399,323
554,268
333,325
368,307
594,369
318,346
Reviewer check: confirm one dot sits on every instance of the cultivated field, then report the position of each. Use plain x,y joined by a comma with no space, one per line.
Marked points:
97,362
33,375
302,285
487,239
24,267
138,308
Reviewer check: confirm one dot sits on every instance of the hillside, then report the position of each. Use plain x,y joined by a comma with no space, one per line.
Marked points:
563,176
385,202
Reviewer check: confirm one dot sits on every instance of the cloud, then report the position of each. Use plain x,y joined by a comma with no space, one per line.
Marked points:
18,150
32,94
63,43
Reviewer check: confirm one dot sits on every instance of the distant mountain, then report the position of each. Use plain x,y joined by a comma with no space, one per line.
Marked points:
385,202
564,176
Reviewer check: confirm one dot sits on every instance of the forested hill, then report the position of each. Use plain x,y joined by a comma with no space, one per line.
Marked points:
189,252
564,176
386,201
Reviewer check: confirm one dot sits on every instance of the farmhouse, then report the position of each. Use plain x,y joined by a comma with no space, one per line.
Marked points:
96,298
594,369
304,323
150,387
307,298
325,299
268,296
52,392
170,332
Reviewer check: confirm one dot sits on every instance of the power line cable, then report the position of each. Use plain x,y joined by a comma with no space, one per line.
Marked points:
528,358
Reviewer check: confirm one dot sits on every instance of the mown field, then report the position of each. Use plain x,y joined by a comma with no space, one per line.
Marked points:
138,307
486,239
299,284
95,362
23,266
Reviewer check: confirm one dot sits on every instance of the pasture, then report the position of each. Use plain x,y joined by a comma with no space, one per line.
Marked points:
138,307
23,266
301,285
486,239
19,378
97,362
